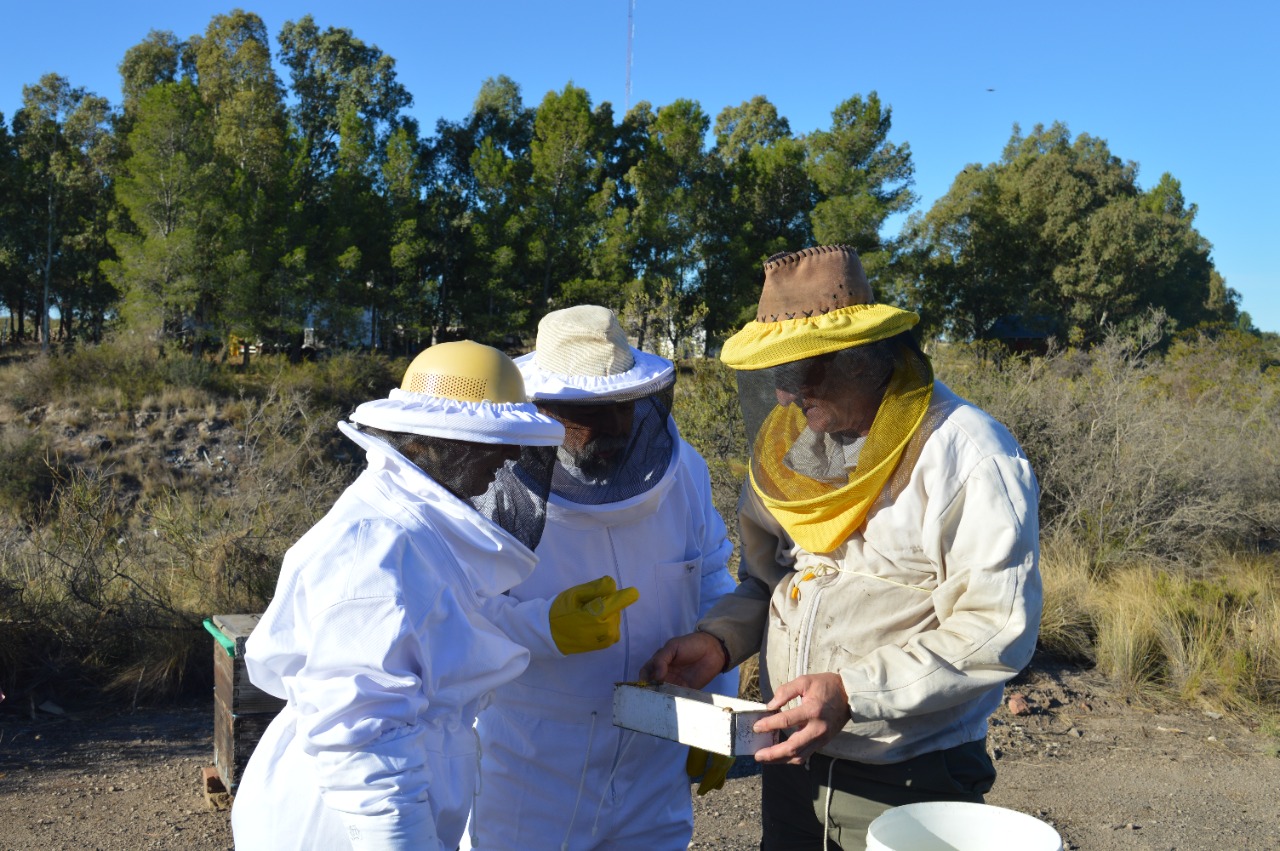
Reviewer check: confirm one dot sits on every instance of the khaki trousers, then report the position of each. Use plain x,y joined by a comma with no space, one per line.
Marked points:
797,800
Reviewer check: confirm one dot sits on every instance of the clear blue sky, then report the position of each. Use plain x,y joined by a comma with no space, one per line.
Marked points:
1188,88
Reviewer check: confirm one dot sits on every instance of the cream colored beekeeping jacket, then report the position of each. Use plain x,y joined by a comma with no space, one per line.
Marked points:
924,612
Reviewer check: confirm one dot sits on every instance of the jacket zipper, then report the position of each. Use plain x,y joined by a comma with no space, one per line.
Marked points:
806,632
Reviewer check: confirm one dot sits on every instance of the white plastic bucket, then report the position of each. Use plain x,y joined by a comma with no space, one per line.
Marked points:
958,826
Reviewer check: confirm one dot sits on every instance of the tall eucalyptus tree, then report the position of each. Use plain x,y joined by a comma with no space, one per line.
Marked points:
62,138
245,104
348,105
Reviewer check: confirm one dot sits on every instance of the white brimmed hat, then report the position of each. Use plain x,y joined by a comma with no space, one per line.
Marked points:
582,355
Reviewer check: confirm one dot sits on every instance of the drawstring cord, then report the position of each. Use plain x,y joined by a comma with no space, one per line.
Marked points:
479,757
826,809
828,569
582,781
630,737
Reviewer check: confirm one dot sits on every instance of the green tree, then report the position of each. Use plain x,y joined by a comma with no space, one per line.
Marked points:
62,138
766,211
405,176
347,107
245,104
161,57
1059,230
481,172
566,154
167,187
676,182
861,178
336,77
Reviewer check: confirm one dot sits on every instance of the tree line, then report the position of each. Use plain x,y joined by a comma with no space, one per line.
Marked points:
216,200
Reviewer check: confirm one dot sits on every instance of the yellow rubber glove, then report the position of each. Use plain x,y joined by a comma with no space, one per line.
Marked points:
712,767
588,616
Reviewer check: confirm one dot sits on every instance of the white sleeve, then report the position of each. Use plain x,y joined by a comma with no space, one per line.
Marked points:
526,622
359,697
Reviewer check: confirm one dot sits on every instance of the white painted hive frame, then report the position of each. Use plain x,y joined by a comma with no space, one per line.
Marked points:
713,722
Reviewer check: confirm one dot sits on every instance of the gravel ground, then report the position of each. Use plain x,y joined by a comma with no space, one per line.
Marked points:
1108,775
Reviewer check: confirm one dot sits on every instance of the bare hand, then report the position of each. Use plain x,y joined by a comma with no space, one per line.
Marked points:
823,711
691,661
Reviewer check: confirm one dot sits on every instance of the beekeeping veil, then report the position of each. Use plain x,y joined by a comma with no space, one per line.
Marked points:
832,390
461,416
613,399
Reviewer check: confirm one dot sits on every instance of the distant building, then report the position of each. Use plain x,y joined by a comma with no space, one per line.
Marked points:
1022,334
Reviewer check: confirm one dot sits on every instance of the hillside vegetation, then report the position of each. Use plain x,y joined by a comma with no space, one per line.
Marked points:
141,494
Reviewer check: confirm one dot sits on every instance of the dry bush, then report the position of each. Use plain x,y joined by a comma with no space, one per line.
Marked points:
134,553
1131,465
340,381
706,411
115,373
29,467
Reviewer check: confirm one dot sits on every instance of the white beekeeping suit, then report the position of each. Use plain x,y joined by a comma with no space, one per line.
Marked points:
629,499
376,636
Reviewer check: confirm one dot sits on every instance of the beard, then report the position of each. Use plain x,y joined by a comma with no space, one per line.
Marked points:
595,461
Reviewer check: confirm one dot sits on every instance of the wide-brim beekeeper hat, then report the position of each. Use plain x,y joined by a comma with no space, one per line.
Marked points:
816,310
582,356
454,397
813,302
462,391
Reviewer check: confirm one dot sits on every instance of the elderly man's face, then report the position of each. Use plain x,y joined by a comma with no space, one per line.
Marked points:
832,400
595,436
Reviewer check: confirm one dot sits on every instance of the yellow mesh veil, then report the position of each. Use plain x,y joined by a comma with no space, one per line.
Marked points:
821,511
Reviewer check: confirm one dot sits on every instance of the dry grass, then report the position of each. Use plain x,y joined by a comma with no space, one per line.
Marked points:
1067,628
1207,639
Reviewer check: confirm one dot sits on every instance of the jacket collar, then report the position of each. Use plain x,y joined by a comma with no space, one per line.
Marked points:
490,561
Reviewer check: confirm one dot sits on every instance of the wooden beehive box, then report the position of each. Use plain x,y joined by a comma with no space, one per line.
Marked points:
702,719
241,710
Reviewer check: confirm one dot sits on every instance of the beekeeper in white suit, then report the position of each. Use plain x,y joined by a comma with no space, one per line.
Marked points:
631,500
377,637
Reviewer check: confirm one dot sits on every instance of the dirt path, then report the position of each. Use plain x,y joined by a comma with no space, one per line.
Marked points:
1108,775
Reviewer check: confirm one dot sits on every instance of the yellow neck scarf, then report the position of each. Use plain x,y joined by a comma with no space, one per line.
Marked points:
820,516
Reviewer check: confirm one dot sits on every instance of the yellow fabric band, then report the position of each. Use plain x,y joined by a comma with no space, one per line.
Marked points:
817,516
760,345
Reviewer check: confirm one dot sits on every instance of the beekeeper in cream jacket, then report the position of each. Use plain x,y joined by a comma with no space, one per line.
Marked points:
889,560
376,636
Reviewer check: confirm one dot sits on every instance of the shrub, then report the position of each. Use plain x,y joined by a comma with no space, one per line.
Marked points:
1131,465
28,469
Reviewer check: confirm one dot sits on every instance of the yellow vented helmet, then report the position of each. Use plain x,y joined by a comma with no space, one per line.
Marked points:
465,371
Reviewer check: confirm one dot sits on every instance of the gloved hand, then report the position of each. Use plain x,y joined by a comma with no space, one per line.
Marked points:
588,616
712,767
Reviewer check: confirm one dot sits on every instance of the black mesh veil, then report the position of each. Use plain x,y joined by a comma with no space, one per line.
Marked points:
621,462
505,483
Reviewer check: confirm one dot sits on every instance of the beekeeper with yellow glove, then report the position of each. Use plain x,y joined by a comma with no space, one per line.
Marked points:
377,636
629,499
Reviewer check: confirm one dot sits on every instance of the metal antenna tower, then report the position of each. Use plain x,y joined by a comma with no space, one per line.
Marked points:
631,33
